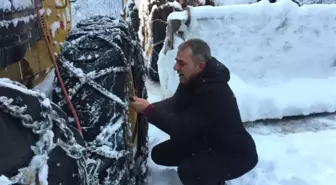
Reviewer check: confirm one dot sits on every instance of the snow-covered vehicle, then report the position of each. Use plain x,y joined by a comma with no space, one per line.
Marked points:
280,55
85,133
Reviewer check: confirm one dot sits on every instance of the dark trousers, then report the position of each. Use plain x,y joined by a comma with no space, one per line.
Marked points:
202,168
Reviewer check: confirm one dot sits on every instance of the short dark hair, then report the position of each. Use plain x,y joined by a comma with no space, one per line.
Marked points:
200,49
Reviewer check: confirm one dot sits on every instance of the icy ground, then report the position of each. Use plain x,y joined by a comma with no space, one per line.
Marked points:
290,153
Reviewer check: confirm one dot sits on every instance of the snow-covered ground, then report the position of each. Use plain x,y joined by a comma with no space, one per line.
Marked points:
282,57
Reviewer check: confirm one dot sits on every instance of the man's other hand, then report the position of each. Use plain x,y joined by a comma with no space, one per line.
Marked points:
139,104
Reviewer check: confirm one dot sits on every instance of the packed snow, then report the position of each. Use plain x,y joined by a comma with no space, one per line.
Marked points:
88,8
295,159
281,57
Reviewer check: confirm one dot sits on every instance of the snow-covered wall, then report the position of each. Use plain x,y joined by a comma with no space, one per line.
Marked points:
281,57
83,9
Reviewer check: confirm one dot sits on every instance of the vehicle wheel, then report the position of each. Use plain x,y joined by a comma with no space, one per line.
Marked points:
37,143
16,36
101,64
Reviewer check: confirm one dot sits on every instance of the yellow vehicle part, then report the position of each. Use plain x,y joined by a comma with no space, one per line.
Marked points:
132,114
56,20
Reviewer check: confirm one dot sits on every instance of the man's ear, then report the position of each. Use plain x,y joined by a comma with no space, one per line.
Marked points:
202,65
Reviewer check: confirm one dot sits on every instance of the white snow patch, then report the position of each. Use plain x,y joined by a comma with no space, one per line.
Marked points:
59,3
88,8
6,5
15,21
22,4
41,11
48,12
47,86
282,58
67,14
6,82
175,4
54,27
4,180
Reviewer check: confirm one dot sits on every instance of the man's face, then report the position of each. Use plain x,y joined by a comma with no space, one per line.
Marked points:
186,67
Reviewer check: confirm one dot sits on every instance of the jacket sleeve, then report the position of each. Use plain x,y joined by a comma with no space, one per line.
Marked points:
166,104
182,127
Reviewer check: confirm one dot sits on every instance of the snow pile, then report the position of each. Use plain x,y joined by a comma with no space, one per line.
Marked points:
281,57
306,158
89,8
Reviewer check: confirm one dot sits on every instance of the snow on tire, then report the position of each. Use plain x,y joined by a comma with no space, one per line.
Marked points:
17,29
101,64
38,146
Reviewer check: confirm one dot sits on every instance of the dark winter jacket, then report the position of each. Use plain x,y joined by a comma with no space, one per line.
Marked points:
204,115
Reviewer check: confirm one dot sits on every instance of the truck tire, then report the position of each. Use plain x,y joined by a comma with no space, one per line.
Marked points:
18,30
37,143
101,64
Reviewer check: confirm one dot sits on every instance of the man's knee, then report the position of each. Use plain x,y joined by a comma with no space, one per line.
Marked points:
160,155
186,173
167,154
155,155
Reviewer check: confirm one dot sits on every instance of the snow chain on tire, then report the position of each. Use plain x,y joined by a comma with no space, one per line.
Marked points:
43,129
97,60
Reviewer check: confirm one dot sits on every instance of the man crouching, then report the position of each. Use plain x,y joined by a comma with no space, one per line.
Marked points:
208,141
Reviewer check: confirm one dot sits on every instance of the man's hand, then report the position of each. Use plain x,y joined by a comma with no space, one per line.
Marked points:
139,104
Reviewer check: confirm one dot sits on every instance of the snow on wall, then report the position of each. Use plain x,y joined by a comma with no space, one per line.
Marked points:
281,57
88,8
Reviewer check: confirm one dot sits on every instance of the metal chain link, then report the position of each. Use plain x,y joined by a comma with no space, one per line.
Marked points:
43,127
